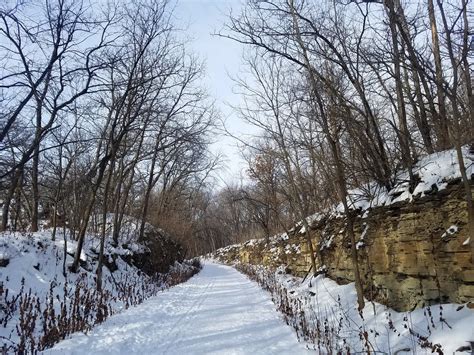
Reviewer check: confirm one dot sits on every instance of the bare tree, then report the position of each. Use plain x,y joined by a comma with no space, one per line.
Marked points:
51,54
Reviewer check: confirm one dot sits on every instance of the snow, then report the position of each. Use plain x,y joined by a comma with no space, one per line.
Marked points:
434,172
326,244
292,248
35,262
37,249
360,243
449,325
273,241
218,311
450,231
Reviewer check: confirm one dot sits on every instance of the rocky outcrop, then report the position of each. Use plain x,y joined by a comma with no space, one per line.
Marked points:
412,254
161,252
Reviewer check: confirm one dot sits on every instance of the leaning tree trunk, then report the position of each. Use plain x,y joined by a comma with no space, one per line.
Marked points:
8,199
87,214
103,230
404,135
443,132
340,176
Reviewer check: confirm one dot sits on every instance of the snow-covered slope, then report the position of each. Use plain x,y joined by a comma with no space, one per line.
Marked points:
325,316
433,172
41,302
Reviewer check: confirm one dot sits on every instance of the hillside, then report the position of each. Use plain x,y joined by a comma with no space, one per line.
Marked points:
42,302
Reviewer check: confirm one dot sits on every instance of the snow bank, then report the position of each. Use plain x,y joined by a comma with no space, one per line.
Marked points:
33,276
434,172
325,316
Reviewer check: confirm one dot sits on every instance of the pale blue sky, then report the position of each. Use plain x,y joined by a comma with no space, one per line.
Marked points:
223,58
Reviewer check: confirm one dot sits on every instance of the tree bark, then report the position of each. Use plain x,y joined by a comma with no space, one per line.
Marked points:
103,229
403,134
443,132
339,167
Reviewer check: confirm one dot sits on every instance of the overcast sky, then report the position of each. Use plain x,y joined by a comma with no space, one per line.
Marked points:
223,58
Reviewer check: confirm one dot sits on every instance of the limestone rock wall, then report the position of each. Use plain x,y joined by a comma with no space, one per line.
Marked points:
411,254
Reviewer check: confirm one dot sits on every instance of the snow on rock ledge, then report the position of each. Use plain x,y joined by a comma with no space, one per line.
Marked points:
412,253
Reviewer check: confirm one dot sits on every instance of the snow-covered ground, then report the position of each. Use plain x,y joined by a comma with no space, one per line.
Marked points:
433,171
334,323
218,311
32,272
37,260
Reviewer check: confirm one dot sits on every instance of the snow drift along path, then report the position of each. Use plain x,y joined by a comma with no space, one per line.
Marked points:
218,311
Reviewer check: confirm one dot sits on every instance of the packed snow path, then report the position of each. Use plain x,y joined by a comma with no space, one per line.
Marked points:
218,311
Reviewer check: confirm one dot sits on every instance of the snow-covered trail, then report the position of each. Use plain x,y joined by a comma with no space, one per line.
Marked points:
218,311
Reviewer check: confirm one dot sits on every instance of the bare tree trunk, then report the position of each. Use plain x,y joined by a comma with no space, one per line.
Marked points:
117,222
419,106
8,199
57,195
87,214
457,129
341,183
55,218
146,198
466,184
399,20
35,190
36,158
296,197
62,177
122,195
103,229
64,251
339,168
467,72
18,192
403,134
443,132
